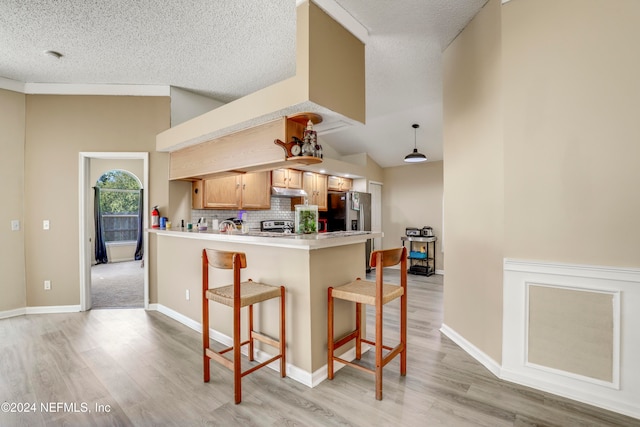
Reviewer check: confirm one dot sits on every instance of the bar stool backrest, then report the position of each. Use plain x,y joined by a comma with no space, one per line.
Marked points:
225,260
388,257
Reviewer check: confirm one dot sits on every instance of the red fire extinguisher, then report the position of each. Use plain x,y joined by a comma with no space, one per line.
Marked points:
155,217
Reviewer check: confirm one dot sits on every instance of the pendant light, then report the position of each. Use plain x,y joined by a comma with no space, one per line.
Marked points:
415,157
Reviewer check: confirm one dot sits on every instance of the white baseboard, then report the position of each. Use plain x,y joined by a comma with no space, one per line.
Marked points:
13,313
187,321
53,309
475,352
40,310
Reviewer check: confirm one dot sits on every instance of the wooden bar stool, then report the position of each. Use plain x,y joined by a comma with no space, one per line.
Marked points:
376,294
238,295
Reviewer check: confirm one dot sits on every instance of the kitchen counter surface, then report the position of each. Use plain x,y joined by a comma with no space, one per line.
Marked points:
282,240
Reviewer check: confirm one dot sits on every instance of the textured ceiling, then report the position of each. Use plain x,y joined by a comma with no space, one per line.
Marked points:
229,48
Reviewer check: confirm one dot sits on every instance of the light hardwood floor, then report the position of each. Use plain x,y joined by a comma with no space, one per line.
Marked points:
145,368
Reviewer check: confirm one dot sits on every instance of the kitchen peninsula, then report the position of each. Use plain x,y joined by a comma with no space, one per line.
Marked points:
305,264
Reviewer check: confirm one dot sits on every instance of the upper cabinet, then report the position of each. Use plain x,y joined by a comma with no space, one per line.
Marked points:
247,191
255,191
315,185
337,183
286,178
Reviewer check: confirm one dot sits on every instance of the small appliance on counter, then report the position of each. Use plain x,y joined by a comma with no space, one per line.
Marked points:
426,231
412,232
277,226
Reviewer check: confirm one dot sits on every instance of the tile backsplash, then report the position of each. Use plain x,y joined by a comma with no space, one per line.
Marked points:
280,209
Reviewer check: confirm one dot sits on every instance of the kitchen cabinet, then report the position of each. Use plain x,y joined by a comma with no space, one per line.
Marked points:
286,178
255,190
337,183
421,255
247,191
315,185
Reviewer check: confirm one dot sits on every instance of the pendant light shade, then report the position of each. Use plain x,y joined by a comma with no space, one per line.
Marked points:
414,156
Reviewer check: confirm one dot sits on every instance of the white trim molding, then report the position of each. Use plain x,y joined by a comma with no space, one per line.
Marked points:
13,313
84,89
620,394
53,309
475,352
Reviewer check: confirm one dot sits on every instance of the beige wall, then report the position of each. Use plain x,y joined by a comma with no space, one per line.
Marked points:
473,182
572,150
540,148
57,129
412,197
12,123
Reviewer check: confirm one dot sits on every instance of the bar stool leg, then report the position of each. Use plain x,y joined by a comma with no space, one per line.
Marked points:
283,340
358,331
403,334
250,322
237,364
205,318
379,349
330,334
205,343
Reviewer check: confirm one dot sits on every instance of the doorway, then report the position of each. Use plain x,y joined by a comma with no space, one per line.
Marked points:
375,188
117,277
91,166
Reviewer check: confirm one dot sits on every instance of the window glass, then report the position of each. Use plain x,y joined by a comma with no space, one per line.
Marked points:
119,202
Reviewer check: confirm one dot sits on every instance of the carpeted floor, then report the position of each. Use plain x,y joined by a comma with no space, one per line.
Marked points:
117,285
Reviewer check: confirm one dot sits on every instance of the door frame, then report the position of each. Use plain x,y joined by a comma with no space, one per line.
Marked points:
84,187
376,209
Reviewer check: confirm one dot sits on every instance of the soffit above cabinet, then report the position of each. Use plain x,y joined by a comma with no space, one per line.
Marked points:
329,81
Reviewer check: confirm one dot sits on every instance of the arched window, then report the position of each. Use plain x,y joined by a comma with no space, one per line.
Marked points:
119,205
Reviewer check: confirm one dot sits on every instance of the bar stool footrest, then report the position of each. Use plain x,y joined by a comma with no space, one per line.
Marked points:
265,363
354,365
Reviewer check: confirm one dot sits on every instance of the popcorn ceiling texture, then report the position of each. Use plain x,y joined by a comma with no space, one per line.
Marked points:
227,49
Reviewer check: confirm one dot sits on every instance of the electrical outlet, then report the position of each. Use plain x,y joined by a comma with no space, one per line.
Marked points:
15,225
186,295
47,285
45,224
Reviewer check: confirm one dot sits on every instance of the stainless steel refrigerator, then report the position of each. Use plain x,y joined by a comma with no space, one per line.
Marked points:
350,211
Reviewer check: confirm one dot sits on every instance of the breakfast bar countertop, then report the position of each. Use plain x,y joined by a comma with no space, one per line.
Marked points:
283,240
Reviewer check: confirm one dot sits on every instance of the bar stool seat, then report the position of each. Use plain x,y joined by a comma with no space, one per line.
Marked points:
375,294
364,292
251,293
238,295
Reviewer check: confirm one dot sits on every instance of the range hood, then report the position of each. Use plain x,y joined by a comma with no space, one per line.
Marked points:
287,192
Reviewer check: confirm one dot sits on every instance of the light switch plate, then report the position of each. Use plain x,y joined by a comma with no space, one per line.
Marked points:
45,224
15,225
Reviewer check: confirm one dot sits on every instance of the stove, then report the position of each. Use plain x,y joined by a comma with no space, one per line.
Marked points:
277,226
